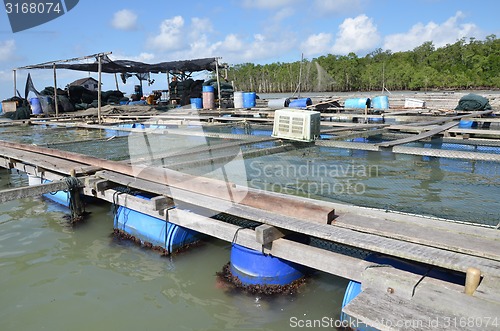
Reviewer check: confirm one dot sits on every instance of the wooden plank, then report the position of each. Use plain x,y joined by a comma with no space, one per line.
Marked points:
378,309
313,257
161,203
310,209
31,191
50,163
347,144
424,234
422,135
412,251
317,258
265,234
452,154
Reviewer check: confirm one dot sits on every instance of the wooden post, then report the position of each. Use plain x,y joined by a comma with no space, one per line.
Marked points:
76,205
218,80
55,90
15,82
472,278
116,82
99,89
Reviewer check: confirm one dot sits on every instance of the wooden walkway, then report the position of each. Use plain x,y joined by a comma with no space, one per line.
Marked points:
436,243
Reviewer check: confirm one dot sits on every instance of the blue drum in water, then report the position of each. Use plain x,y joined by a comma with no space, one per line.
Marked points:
254,268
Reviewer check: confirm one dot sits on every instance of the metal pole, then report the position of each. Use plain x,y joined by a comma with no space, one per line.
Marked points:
99,88
15,82
55,90
116,82
218,80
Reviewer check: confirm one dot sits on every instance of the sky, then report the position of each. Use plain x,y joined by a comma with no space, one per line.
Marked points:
238,31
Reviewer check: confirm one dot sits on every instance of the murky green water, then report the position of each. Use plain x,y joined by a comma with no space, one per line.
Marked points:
57,277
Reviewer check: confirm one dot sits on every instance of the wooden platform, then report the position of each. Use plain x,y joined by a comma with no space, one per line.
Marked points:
390,296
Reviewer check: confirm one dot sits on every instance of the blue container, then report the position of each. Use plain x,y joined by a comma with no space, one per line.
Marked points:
1,111
254,268
138,126
380,102
464,124
208,88
357,103
36,108
300,103
61,197
249,99
196,103
154,230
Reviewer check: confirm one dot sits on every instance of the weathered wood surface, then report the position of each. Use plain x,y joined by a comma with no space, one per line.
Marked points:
384,311
420,136
62,166
31,191
425,234
284,205
421,151
372,242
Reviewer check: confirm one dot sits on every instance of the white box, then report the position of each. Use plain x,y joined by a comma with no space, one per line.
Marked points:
296,124
414,103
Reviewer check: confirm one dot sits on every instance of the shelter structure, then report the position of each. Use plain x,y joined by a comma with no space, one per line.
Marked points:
103,64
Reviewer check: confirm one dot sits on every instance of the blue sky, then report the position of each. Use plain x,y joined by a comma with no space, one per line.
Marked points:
239,31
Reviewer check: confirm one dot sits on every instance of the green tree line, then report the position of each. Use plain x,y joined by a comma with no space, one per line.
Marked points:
462,65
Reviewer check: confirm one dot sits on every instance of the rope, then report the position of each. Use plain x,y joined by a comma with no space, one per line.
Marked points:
76,208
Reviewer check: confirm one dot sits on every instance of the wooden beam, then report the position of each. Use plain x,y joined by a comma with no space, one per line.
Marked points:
31,191
265,234
422,135
282,204
162,203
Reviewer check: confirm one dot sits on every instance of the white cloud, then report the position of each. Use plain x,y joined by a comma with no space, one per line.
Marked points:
268,4
170,36
283,14
317,44
356,34
447,33
124,20
7,49
142,57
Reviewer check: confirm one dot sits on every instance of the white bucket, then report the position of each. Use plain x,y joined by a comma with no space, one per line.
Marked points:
238,99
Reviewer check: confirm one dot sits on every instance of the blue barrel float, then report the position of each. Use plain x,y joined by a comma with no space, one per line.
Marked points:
380,102
300,103
36,107
357,103
208,96
354,288
257,272
156,231
249,99
61,197
467,124
196,103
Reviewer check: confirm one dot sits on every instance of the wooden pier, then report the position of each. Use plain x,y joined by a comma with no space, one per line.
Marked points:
390,296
